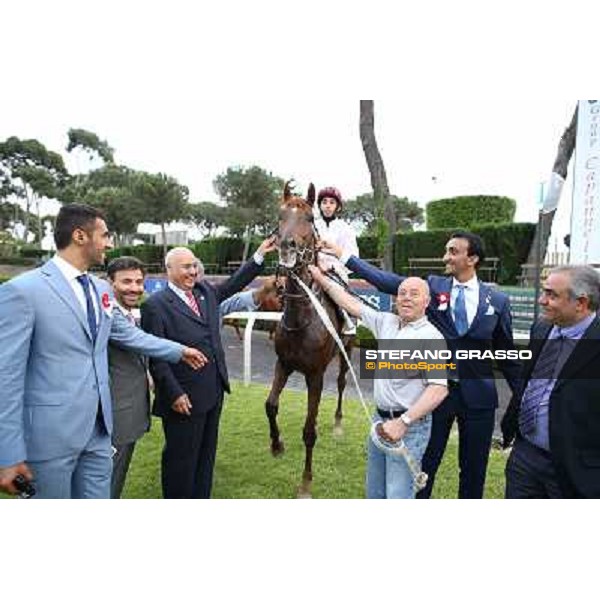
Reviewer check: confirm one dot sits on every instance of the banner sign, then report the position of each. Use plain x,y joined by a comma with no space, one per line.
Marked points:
585,216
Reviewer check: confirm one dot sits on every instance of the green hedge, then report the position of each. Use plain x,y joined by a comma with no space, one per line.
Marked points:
468,211
31,251
368,246
20,261
147,253
510,243
218,251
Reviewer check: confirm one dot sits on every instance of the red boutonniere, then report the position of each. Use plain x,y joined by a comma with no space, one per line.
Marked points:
443,299
106,300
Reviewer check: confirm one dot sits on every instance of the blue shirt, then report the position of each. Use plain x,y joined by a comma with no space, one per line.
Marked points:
541,435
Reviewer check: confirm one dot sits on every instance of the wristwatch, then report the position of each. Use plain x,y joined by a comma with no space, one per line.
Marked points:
406,419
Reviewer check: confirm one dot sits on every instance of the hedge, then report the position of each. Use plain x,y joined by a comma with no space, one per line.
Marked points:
510,243
368,246
31,251
147,253
466,212
20,261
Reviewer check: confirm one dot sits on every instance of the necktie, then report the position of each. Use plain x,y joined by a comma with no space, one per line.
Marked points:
84,281
192,302
542,373
460,312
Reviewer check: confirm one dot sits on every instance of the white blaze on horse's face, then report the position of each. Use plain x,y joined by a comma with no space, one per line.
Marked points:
295,233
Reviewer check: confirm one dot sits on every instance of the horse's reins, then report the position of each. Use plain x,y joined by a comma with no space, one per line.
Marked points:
399,448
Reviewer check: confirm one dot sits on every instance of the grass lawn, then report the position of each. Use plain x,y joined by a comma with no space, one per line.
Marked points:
246,469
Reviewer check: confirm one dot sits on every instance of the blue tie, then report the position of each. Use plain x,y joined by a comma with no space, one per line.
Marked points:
84,280
540,377
460,312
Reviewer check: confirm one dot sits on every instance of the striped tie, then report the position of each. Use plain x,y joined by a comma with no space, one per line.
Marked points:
192,303
461,321
540,378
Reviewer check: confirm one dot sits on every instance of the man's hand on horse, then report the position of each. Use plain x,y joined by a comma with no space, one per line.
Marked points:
182,405
317,275
268,245
329,248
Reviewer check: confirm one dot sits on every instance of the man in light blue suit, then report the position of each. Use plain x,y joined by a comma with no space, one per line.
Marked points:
55,406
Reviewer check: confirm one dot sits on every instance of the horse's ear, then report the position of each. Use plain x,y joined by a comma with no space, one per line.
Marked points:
287,190
310,197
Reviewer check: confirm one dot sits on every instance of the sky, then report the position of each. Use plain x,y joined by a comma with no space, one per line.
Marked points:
173,92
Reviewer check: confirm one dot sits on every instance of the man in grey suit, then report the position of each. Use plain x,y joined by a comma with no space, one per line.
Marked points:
128,372
55,406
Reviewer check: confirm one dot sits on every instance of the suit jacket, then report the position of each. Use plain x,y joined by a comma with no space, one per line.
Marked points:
166,315
130,394
491,329
52,375
574,412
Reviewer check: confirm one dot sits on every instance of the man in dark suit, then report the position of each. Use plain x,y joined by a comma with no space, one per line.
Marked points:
470,314
188,402
555,418
128,372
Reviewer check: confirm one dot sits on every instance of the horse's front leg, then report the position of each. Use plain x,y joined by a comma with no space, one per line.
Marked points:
341,383
272,407
314,383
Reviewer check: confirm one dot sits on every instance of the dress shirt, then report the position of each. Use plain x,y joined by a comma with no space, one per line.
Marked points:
541,437
71,274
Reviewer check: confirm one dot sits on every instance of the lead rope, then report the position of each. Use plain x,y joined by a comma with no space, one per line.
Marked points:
399,448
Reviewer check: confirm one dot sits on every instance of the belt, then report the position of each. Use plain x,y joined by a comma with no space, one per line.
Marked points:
391,414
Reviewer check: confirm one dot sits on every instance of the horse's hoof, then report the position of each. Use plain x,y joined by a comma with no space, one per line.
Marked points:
304,492
277,448
338,430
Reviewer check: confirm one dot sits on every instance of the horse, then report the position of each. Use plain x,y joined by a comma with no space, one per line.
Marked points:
302,342
268,298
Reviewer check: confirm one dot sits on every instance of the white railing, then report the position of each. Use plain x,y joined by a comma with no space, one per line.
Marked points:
251,318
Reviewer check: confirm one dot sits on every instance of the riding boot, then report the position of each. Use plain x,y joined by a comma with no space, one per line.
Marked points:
349,327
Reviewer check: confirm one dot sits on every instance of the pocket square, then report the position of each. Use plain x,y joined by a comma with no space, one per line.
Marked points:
490,310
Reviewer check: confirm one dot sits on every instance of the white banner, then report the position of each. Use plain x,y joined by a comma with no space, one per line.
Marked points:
553,191
585,216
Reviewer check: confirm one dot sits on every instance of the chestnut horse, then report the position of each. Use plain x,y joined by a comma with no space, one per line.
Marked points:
302,342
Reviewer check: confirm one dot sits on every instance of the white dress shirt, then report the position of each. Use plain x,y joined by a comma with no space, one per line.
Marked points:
471,297
342,234
71,273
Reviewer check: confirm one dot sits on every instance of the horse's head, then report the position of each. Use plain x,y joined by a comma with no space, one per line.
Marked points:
296,229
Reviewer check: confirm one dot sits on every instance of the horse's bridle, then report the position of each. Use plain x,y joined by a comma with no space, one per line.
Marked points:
303,257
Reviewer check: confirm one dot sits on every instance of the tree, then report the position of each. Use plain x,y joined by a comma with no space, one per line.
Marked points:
110,189
91,144
163,200
252,201
381,191
207,215
365,210
565,150
29,171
